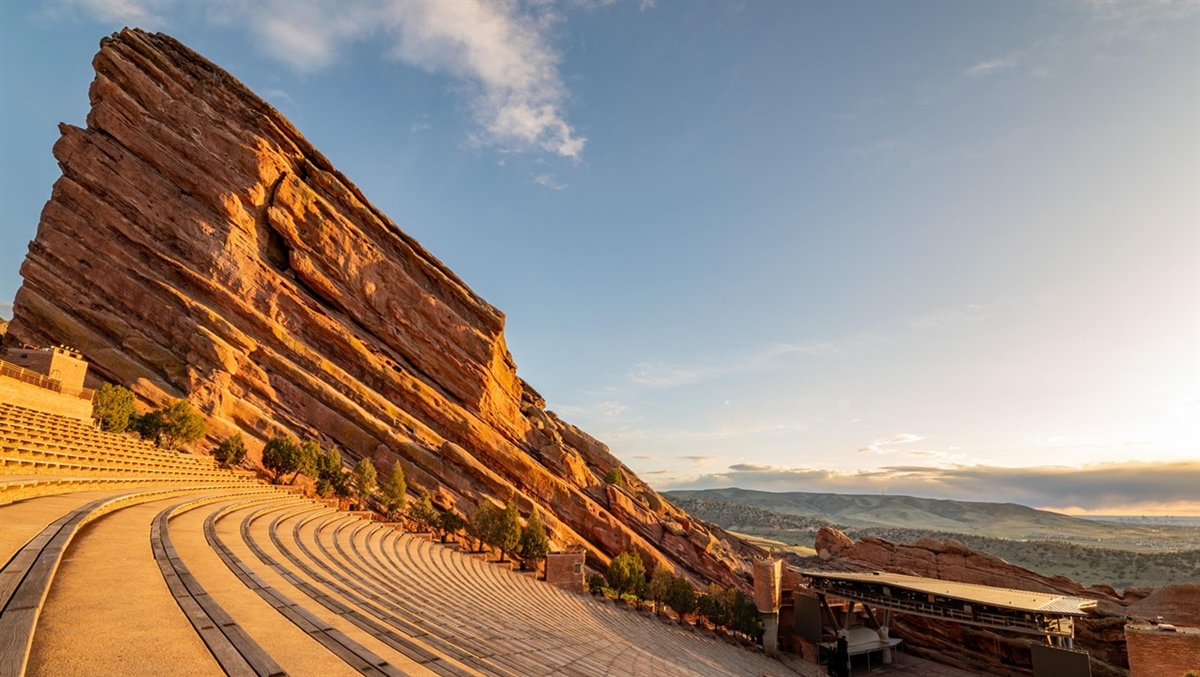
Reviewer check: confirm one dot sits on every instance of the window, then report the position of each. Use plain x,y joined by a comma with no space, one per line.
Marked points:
578,568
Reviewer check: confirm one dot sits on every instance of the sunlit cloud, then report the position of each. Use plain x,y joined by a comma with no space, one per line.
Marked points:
1098,487
501,54
882,446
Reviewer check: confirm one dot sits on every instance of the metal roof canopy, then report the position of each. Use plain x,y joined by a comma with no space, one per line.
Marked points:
1002,608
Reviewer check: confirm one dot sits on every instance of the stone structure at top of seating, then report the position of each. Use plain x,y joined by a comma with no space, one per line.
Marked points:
565,570
46,379
58,363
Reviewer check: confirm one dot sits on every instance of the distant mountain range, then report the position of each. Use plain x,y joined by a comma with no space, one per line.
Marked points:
997,520
1120,554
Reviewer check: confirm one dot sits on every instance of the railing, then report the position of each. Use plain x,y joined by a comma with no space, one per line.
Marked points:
42,381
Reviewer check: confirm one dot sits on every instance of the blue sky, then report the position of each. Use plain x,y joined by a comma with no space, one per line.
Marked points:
943,249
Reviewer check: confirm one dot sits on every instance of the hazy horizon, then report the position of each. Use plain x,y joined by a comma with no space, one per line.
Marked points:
939,249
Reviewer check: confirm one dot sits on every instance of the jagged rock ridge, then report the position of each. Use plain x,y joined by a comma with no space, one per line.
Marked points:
198,246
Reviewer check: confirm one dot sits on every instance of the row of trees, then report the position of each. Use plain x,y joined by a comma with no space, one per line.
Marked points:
178,424
169,427
730,608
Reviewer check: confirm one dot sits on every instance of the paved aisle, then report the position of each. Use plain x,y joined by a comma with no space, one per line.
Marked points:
109,611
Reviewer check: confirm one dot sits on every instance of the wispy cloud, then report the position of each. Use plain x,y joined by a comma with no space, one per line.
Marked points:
987,67
6,308
501,53
659,375
131,12
972,312
881,446
1119,19
548,181
1109,486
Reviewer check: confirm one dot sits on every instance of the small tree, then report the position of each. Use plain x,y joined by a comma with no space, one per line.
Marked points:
744,616
365,479
148,426
595,584
182,425
424,514
311,459
506,533
231,451
483,520
328,469
451,524
681,597
616,477
660,586
626,573
112,407
533,543
281,455
394,491
711,605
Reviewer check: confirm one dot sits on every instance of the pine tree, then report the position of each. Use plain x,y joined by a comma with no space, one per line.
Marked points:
533,544
506,533
365,479
394,490
483,520
660,586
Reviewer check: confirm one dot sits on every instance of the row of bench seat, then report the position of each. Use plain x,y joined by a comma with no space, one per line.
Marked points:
233,577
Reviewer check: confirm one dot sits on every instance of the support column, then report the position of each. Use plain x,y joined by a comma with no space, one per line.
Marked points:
882,631
771,634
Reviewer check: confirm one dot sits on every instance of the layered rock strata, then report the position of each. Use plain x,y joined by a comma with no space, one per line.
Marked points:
1101,633
197,246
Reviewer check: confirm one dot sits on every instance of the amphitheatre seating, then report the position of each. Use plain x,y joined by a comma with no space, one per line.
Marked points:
122,559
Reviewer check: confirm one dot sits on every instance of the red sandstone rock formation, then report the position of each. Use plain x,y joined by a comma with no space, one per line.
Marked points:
1101,633
198,246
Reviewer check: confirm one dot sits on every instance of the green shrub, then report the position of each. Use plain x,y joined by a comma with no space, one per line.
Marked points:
231,451
616,477
595,584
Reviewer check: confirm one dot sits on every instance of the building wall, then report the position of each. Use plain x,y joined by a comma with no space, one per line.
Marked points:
565,569
1158,652
30,396
63,366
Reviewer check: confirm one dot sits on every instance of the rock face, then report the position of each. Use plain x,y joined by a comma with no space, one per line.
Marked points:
197,246
1101,633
